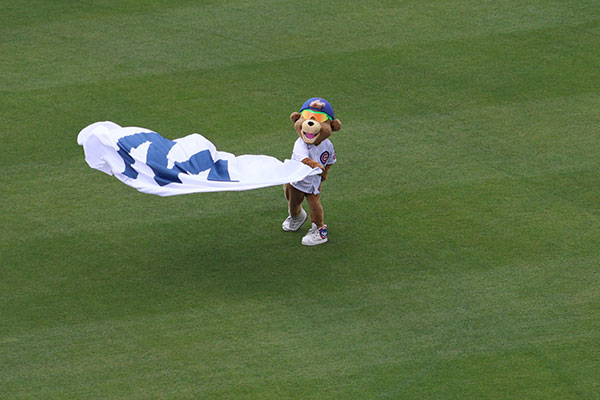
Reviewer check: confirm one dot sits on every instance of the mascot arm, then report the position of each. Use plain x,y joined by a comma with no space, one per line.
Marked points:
312,163
325,171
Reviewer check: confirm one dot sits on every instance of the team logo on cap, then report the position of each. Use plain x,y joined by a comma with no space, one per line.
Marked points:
324,157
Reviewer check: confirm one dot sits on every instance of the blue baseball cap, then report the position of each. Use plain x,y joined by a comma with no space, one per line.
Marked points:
327,109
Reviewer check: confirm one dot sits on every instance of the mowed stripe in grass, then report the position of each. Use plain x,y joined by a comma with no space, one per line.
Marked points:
463,255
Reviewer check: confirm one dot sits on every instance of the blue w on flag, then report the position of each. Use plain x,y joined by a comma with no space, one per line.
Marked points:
150,163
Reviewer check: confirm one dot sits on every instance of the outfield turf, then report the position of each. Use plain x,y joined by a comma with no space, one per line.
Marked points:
463,212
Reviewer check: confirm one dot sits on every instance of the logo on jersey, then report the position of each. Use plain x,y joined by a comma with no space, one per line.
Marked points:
324,157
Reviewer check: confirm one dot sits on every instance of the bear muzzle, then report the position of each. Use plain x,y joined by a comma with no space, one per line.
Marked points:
310,131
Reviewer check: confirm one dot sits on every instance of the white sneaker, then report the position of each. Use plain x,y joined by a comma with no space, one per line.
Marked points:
292,224
315,236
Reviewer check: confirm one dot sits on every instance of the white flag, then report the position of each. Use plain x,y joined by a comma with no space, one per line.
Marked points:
153,164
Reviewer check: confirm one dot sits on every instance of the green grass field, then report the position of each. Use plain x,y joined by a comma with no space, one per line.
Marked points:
463,212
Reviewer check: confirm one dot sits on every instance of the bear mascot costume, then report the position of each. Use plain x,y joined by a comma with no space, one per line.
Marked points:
314,124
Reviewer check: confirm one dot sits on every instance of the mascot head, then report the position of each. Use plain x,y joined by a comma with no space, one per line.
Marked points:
315,121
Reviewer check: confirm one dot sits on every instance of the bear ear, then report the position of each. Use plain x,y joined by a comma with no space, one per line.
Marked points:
295,116
336,125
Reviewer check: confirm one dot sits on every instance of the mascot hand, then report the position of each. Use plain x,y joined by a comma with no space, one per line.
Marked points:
312,163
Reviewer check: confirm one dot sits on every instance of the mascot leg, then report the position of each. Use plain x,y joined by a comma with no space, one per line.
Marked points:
315,209
294,198
318,233
297,215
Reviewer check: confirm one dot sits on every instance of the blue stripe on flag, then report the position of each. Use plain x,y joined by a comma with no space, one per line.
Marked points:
156,159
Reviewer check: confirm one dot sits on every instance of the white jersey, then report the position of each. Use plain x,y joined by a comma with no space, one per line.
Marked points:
323,153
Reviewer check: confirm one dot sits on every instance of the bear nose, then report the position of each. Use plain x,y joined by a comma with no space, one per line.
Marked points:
310,123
